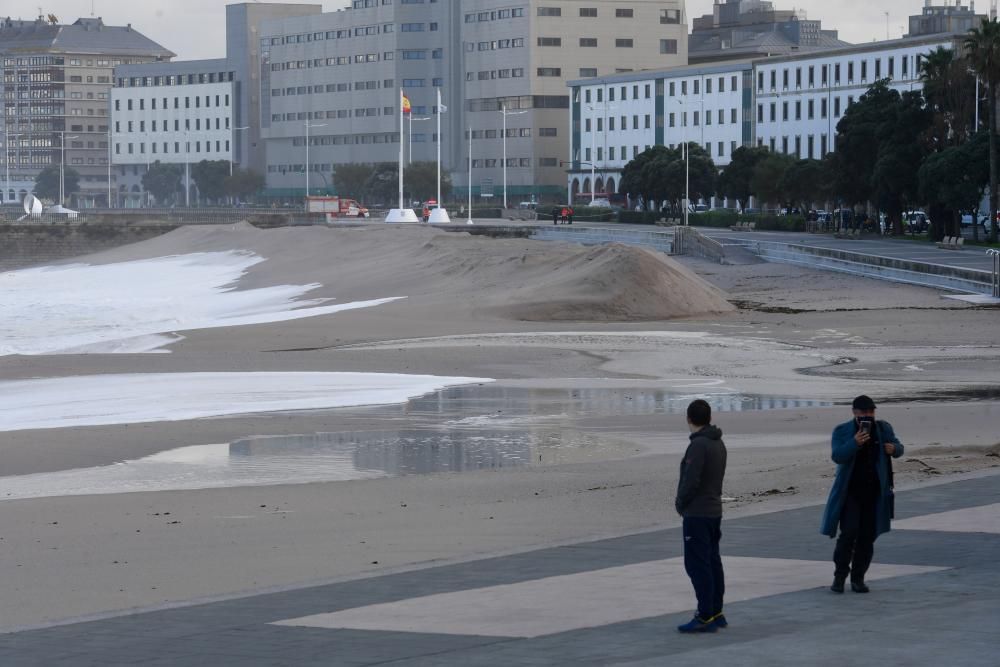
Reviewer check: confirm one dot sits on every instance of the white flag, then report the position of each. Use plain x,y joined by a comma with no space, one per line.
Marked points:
441,108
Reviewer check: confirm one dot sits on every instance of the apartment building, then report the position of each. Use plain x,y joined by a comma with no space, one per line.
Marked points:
188,111
55,84
497,63
787,104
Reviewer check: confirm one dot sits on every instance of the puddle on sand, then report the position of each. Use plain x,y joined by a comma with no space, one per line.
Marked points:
460,429
319,457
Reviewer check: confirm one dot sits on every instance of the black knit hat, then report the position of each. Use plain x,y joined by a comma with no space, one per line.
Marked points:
863,403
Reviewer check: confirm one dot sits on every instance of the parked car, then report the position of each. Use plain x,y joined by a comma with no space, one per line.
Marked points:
600,203
916,222
983,220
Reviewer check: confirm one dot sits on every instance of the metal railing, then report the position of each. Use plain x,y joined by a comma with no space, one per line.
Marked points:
995,254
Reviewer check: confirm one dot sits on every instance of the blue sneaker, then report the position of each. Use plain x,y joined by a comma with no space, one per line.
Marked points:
720,620
697,624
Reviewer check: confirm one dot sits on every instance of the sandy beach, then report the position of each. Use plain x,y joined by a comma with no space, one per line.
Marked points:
590,345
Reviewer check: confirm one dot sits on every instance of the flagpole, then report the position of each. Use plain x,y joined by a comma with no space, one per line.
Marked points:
469,221
440,203
439,214
402,96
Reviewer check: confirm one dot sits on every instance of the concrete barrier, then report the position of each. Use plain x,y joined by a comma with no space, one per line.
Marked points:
893,269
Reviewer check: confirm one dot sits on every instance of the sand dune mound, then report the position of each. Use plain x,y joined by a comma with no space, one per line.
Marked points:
507,278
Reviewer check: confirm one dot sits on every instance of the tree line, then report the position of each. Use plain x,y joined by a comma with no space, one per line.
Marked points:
895,151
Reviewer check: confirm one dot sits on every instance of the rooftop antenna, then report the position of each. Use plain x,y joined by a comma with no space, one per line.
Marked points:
887,26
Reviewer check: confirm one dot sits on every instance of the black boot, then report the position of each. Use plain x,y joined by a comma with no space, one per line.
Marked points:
838,584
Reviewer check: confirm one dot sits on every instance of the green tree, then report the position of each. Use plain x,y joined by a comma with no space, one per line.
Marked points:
879,144
244,184
210,177
803,183
660,174
383,186
983,48
895,177
47,183
950,90
632,181
162,180
350,180
954,180
420,181
734,182
768,177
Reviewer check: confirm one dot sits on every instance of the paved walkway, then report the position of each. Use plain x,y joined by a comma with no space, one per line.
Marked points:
917,251
934,600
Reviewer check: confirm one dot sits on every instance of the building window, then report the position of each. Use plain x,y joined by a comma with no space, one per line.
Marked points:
668,46
624,43
624,13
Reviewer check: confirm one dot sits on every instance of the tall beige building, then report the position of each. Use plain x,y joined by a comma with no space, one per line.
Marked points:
556,41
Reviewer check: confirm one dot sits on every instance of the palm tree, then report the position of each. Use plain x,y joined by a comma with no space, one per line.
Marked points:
983,48
949,88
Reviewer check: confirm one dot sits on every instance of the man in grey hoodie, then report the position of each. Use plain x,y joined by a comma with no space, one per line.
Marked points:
699,501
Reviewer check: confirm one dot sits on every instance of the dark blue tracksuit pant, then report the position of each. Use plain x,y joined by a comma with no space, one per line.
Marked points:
703,563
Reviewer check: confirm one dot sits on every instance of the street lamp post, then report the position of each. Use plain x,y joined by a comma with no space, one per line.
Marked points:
109,164
503,110
62,166
6,159
687,158
308,127
593,147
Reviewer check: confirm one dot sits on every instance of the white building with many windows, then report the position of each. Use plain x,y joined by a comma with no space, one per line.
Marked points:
617,117
788,104
182,115
800,100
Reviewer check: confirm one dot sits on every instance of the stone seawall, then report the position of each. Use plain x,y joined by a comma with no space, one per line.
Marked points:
38,244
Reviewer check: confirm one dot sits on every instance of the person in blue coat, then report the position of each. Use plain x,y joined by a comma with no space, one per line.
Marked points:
860,501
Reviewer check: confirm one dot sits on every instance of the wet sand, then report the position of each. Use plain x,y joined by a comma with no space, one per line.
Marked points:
798,333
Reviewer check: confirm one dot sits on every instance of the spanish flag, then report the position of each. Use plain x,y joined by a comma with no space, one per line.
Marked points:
406,104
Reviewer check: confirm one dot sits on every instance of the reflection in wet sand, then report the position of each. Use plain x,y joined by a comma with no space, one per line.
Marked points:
460,429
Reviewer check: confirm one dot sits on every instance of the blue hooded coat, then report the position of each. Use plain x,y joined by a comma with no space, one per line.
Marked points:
844,452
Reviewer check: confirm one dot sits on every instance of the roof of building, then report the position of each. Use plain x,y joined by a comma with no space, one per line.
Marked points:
709,69
872,46
757,43
174,67
86,35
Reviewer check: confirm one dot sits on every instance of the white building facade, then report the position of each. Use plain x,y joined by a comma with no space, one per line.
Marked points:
181,116
789,104
800,100
617,117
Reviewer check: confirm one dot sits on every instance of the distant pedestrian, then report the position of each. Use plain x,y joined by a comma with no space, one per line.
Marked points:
699,501
861,501
569,215
555,215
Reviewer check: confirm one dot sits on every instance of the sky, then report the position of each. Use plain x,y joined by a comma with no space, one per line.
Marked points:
171,22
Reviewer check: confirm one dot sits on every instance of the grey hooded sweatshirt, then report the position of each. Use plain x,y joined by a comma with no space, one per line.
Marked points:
699,490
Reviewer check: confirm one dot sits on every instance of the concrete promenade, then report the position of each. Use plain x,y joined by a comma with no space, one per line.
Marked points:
934,601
